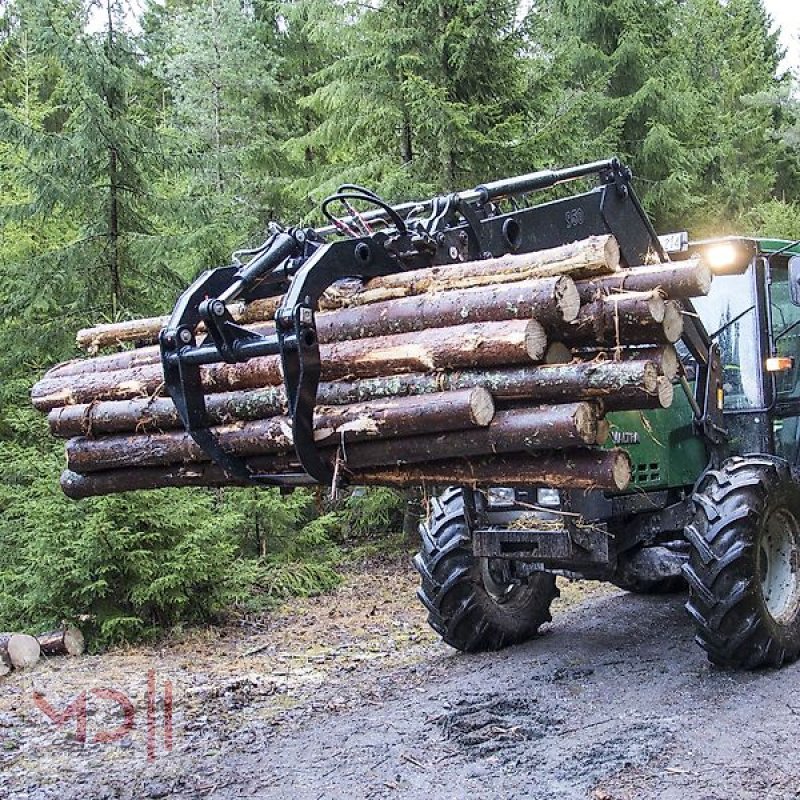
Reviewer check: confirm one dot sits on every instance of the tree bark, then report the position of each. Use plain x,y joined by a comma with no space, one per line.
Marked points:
544,428
67,641
634,399
573,469
676,279
481,344
399,416
596,255
551,301
624,320
569,469
19,650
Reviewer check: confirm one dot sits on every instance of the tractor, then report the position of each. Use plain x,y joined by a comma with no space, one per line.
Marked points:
714,503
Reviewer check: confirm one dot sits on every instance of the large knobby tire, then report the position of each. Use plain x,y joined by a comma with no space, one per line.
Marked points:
466,606
744,588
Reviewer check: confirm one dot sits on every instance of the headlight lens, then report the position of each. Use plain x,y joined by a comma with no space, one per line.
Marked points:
500,496
548,497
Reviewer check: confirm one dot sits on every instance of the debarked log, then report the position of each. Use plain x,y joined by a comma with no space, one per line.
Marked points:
398,416
482,344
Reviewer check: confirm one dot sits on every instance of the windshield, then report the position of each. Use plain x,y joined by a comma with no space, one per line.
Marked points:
729,312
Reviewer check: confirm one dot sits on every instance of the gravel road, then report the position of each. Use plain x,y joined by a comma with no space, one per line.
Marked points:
614,701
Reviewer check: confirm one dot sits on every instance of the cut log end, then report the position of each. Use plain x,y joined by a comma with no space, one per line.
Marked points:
535,340
650,376
585,418
612,254
557,353
481,406
665,391
621,470
20,649
670,363
66,641
673,322
603,431
568,299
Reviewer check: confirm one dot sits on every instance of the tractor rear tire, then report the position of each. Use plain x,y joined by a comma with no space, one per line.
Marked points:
467,606
744,587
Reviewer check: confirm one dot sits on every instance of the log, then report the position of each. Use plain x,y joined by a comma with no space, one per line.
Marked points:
146,331
482,344
593,256
397,416
67,641
551,383
513,430
569,469
558,383
597,255
552,301
665,357
19,650
150,415
633,399
676,279
624,320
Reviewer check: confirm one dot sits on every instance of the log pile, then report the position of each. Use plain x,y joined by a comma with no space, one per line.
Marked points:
20,650
498,371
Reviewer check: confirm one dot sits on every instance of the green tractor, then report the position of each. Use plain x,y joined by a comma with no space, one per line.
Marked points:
714,503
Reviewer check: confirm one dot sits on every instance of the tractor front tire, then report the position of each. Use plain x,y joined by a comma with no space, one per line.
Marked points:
744,587
468,605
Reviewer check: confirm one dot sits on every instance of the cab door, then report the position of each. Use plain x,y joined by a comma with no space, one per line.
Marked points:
784,369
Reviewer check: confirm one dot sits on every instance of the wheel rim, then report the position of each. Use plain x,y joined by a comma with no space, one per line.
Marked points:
499,586
778,568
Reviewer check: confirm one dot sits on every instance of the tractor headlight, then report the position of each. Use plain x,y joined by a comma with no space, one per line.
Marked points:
498,497
548,497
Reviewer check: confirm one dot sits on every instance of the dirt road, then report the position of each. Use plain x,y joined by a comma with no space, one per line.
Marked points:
349,696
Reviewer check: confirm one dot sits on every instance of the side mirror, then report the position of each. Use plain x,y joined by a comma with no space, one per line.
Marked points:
794,280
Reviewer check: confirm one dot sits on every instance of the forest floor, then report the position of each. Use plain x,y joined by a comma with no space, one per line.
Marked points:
350,695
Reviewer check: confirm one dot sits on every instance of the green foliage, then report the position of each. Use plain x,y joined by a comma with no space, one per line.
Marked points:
373,512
